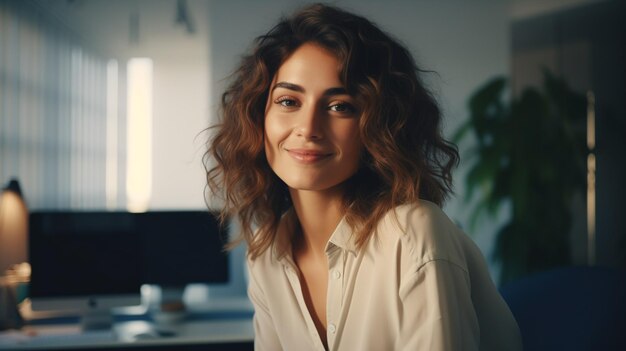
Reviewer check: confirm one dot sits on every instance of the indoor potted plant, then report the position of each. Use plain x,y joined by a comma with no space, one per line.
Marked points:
530,151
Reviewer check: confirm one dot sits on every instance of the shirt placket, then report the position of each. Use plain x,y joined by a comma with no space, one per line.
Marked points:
334,297
294,280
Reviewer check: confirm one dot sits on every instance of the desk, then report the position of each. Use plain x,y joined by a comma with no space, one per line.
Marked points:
200,331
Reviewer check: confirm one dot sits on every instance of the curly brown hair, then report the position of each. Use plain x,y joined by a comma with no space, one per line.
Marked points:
405,157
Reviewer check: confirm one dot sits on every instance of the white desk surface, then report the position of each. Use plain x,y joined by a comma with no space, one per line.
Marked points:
123,334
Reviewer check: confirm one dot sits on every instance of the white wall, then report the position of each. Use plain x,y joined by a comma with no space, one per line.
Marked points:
181,82
181,113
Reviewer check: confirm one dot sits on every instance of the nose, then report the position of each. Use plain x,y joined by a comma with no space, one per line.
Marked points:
310,123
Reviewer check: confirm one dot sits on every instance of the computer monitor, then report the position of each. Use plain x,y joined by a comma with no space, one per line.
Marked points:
181,248
86,262
93,261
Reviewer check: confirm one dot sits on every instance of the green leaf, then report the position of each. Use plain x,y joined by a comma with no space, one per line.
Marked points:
530,151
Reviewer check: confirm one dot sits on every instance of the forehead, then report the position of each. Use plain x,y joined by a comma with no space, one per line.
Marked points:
310,64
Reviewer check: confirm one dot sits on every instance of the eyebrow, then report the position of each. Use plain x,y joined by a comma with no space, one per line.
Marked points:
300,89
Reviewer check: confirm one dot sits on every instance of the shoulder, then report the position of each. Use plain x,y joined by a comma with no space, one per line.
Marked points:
425,233
420,215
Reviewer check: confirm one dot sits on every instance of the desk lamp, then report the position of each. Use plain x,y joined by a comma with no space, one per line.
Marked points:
13,226
13,234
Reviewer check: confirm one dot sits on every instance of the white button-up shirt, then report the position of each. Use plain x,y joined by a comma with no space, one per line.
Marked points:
419,284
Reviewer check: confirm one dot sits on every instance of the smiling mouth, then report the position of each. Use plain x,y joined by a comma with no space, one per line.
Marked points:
307,156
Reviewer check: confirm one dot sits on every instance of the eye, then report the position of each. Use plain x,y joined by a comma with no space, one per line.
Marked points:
342,107
287,101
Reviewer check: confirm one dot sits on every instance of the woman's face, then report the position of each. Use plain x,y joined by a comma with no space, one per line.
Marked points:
311,123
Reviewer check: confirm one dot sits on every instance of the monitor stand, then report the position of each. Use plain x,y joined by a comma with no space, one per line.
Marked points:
95,318
171,308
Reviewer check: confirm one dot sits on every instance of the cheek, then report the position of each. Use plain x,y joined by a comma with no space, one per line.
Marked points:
274,134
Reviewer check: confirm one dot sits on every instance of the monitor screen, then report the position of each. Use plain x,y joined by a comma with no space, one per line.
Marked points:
86,258
182,247
83,254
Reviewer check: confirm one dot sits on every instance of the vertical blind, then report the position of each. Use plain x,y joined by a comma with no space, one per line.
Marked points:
53,112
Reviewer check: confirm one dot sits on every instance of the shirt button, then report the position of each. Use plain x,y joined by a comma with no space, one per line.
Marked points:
332,328
336,274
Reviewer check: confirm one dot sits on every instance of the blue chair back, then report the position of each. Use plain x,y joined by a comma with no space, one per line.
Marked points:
571,308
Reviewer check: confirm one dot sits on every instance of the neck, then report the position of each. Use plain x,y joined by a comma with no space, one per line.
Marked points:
318,212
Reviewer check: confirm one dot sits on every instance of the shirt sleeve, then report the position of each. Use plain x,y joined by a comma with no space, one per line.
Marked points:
265,336
438,313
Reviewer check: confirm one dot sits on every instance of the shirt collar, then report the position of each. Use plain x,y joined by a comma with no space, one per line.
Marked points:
342,237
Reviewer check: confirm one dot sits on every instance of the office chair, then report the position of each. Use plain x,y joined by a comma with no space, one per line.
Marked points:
570,308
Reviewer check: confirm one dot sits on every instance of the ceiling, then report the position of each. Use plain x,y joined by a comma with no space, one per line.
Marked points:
107,25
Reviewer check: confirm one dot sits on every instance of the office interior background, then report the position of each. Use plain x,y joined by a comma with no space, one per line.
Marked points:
104,104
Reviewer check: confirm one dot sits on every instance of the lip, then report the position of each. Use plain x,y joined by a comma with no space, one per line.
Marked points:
308,156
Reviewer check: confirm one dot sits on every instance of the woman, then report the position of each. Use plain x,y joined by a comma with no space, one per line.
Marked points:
330,146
